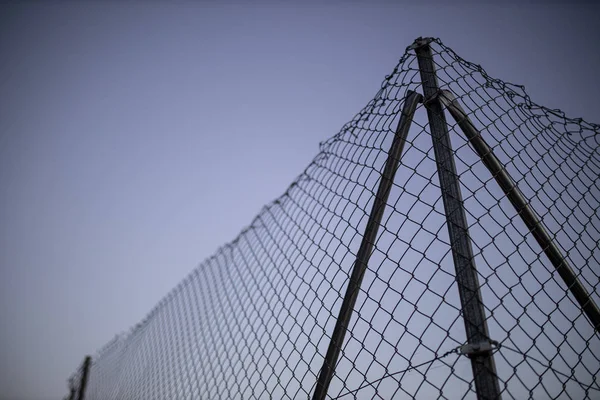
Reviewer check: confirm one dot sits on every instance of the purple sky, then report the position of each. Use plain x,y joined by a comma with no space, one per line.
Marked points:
136,139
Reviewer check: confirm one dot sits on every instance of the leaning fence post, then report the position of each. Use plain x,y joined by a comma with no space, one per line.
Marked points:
523,209
366,246
478,346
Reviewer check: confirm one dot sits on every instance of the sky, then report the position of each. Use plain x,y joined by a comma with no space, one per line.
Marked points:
137,138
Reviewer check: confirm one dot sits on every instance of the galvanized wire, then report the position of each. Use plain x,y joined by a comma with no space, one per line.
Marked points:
254,320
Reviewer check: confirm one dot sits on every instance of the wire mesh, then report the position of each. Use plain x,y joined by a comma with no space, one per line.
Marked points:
254,320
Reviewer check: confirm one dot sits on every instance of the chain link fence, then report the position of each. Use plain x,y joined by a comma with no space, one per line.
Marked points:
256,319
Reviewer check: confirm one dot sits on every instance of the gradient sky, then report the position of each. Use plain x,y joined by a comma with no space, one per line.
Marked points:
137,138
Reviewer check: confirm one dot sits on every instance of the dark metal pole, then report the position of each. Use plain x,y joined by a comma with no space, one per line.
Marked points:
84,377
366,246
527,214
482,362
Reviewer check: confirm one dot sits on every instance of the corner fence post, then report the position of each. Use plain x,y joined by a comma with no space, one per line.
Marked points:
482,362
84,377
366,246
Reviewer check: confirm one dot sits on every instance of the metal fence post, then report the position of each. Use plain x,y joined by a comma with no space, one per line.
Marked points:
482,362
366,246
84,377
523,209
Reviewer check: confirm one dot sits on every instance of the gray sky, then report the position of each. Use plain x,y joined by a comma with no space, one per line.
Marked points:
135,139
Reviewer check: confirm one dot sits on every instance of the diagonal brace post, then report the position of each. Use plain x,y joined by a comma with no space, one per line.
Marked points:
525,211
366,246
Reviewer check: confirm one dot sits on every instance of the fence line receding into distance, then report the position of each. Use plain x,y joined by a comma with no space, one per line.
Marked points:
444,244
